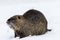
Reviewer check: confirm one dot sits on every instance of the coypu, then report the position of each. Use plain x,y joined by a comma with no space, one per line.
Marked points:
32,22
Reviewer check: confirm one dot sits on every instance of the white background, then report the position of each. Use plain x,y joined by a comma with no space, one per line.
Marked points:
50,8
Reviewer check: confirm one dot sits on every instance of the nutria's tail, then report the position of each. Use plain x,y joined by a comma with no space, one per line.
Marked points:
48,29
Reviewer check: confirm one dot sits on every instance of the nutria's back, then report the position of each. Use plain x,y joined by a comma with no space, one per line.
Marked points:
35,16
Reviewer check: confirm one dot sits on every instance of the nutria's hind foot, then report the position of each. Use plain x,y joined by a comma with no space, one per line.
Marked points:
22,35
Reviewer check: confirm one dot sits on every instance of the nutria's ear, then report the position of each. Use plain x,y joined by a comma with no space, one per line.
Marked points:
19,17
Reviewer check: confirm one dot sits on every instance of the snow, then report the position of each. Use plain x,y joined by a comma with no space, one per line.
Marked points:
50,8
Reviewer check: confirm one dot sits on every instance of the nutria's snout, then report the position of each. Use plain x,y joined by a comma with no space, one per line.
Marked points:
14,18
11,19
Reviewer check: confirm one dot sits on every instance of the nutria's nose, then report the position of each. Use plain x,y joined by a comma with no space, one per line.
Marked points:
11,19
8,19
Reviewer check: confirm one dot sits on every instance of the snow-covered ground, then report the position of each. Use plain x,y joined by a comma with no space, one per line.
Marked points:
50,8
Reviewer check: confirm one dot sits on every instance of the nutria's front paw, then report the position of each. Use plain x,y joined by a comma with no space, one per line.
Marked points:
16,35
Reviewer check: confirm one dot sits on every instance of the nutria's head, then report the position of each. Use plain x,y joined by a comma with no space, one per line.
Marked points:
16,22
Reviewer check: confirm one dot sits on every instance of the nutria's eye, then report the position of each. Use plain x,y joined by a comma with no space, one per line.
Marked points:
19,17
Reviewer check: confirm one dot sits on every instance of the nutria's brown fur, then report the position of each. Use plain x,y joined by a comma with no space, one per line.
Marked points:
32,22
